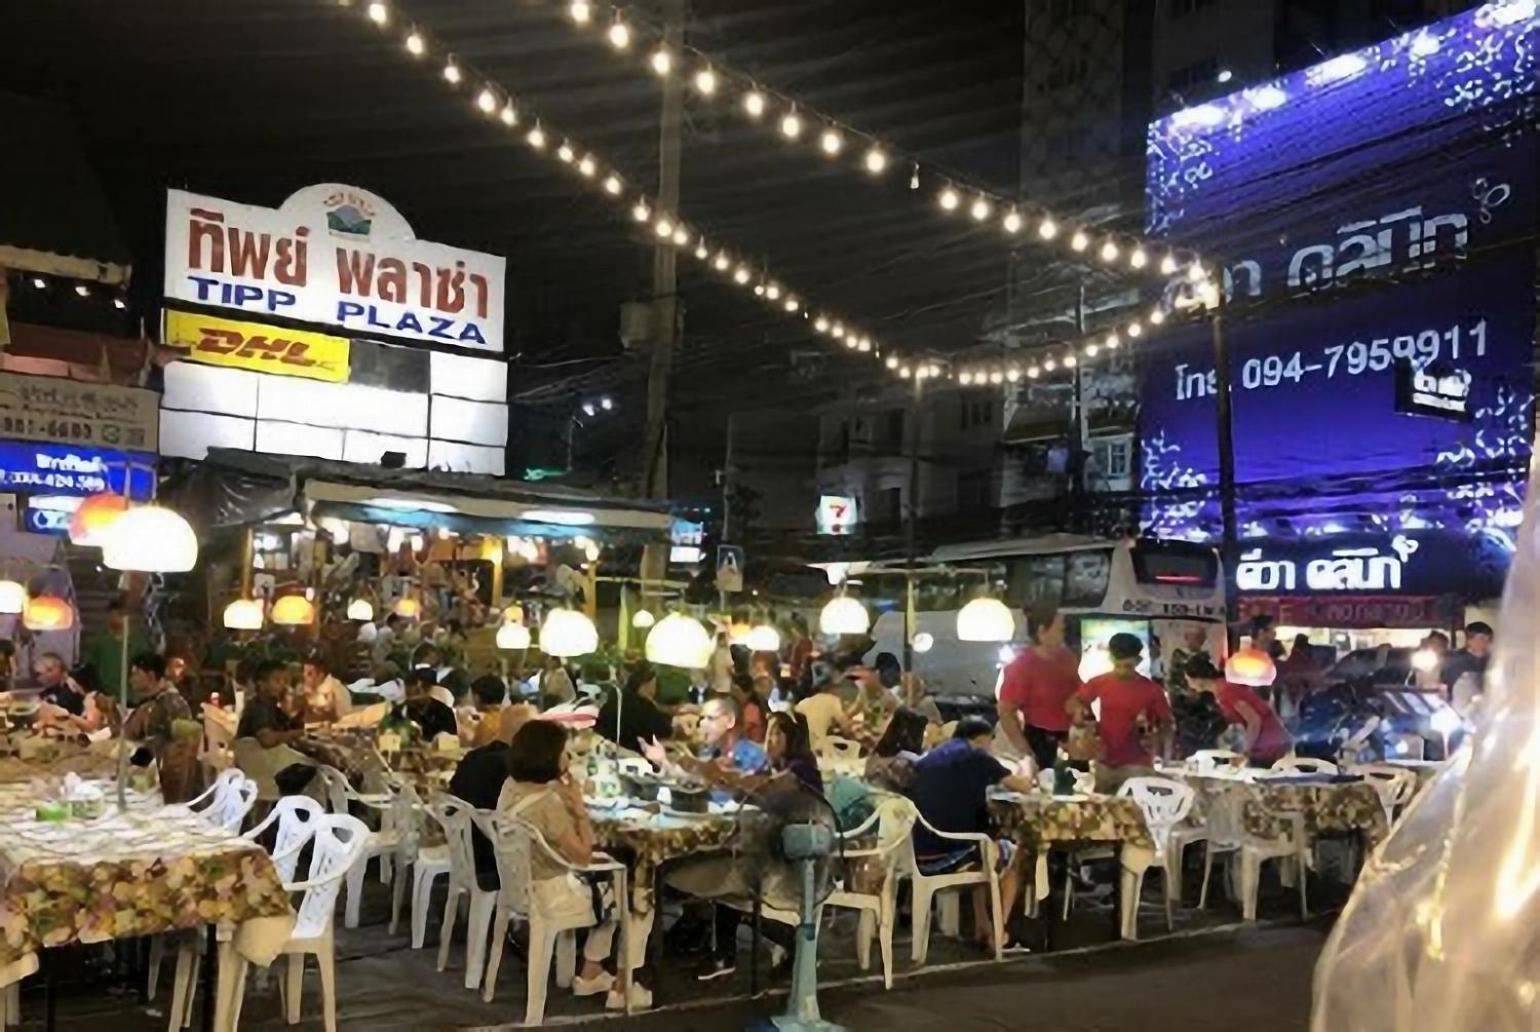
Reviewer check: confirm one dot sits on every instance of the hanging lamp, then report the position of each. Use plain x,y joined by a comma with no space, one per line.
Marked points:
13,597
511,637
293,611
985,619
95,515
567,632
643,619
48,613
361,609
150,539
244,614
679,641
844,615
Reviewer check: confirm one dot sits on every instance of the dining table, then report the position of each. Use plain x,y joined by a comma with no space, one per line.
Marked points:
148,869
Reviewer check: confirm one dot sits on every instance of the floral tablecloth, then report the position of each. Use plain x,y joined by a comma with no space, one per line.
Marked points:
153,869
1037,821
1325,807
27,756
649,840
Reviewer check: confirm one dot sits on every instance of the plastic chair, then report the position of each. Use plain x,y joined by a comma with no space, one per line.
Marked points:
1395,785
232,803
926,886
1207,761
832,747
296,818
549,934
1085,781
382,845
1165,804
893,822
206,799
454,817
340,841
1304,765
428,864
1254,851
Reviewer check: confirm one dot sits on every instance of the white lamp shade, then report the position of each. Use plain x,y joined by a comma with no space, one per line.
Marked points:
567,632
844,615
360,609
90,522
408,608
680,641
150,539
48,613
985,619
244,614
763,638
512,637
1251,667
13,597
643,619
293,611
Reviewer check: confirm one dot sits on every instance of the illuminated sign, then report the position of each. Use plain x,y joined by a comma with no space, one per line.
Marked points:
58,469
1435,389
335,255
837,514
53,409
263,349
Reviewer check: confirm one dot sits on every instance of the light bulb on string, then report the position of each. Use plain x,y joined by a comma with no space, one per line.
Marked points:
662,61
640,212
414,44
1047,229
1069,361
1197,273
1013,374
721,262
379,13
1090,351
791,125
791,304
773,291
903,372
1157,316
536,137
741,275
1137,258
965,378
1109,251
706,82
486,101
586,167
1033,372
914,178
865,345
565,153
1050,365
754,103
980,209
837,331
821,324
1113,342
1135,329
949,199
1079,241
1168,264
613,185
452,73
996,377
509,115
581,11
830,142
1011,222
876,161
681,236
664,228
702,252
891,362
619,34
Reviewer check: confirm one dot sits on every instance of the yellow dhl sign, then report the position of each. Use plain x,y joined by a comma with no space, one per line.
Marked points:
264,349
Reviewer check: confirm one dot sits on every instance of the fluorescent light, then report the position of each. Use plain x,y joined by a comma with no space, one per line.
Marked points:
565,517
410,504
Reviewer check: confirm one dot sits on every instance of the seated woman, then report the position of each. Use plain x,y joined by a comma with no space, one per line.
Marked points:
1267,741
541,792
890,766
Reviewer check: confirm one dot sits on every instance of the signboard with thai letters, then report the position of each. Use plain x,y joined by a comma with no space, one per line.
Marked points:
334,255
49,408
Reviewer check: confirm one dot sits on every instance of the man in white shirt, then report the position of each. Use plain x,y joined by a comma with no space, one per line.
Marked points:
823,711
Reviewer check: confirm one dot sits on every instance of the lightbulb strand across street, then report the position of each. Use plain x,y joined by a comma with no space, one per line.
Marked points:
795,122
496,102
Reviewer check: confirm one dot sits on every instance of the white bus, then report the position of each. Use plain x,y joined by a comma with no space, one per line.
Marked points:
1155,590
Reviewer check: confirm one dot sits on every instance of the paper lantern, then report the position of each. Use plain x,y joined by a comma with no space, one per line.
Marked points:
361,609
13,597
150,539
985,619
89,523
567,632
1251,667
680,641
763,638
512,636
244,614
293,611
409,608
48,613
844,615
643,619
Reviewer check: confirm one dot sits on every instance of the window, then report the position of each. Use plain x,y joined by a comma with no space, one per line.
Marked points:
1199,73
977,412
973,491
1112,457
890,504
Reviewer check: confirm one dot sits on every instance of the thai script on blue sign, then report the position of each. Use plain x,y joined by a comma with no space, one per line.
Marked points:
1376,213
334,255
28,468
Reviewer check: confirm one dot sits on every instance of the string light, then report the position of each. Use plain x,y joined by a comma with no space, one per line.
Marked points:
792,304
613,186
379,13
586,167
452,73
706,82
664,228
1011,222
838,331
754,103
701,251
1138,258
831,142
681,236
82,290
510,115
640,212
486,100
773,291
891,362
1034,372
619,34
741,276
1109,251
1168,265
1048,229
1135,329
721,262
821,324
580,11
1070,361
1158,316
1079,241
791,126
980,209
876,161
414,45
662,61
536,137
949,199
565,153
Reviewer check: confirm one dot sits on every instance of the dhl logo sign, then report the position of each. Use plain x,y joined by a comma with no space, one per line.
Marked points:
263,349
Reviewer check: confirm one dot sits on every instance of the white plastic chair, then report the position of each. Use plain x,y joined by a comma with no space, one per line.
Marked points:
297,817
549,934
205,799
1304,765
926,886
832,747
1085,781
893,823
1396,785
1207,761
340,841
454,817
1254,851
1165,804
382,845
428,863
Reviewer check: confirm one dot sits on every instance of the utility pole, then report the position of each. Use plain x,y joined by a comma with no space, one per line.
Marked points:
910,518
665,289
1229,550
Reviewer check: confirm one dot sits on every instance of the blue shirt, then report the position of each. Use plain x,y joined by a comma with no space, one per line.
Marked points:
746,757
950,788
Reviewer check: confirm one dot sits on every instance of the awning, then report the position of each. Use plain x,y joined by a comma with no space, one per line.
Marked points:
236,488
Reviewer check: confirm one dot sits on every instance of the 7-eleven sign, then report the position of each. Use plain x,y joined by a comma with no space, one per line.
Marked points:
837,514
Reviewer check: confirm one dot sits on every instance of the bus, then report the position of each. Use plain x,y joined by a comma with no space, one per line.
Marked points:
1162,592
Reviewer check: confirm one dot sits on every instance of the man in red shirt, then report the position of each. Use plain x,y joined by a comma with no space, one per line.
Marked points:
1267,740
1134,711
1036,687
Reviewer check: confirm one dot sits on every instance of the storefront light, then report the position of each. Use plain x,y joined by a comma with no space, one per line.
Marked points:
564,517
1251,667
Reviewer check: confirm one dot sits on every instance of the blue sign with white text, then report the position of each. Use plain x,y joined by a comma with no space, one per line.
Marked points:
1374,211
27,467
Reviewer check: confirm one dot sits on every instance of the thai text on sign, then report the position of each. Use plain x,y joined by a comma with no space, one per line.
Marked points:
50,408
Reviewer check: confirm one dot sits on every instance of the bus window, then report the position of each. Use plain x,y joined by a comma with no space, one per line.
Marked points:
1085,579
1175,563
1035,578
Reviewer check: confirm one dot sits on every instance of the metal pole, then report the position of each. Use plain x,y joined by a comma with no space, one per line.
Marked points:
123,713
665,286
1229,544
727,502
910,518
1082,423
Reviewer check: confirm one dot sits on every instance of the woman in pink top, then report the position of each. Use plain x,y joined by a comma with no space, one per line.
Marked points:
1036,686
1267,740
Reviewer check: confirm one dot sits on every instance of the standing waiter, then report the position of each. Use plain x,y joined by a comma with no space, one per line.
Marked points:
1036,687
